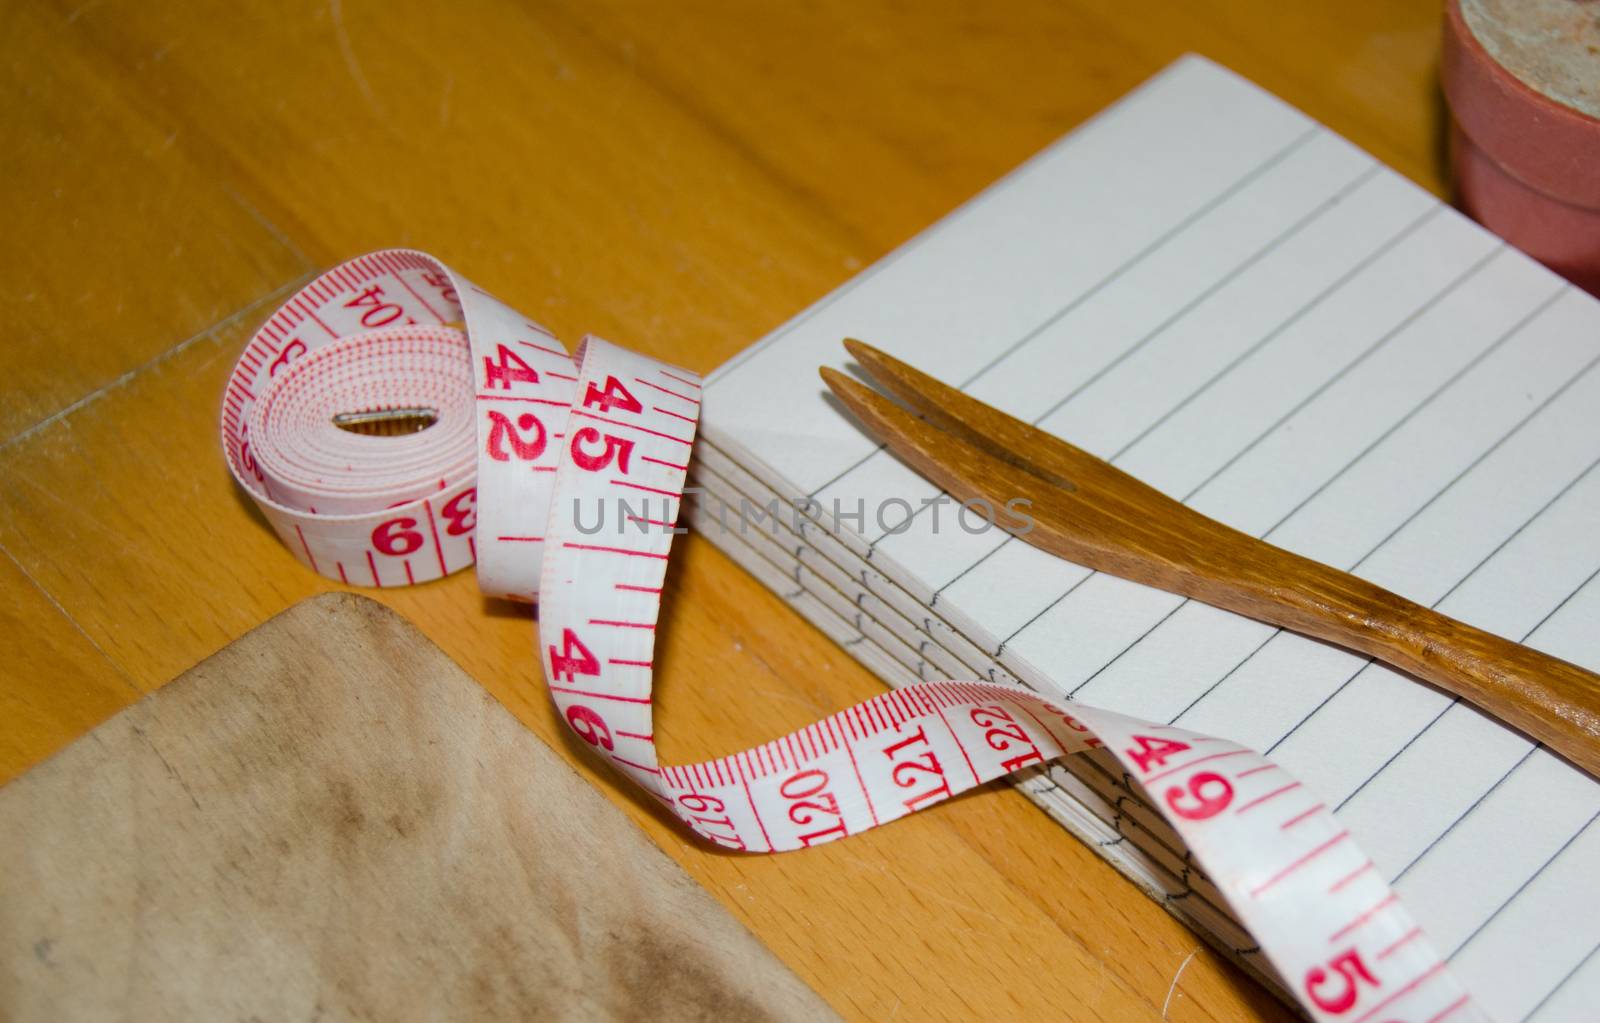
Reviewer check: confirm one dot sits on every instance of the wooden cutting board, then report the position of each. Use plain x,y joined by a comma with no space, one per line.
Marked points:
330,820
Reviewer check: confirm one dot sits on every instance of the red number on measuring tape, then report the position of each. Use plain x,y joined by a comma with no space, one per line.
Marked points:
397,537
461,511
1001,732
293,350
1152,752
574,658
616,448
811,802
702,803
697,805
440,281
804,784
501,433
507,368
1093,742
1343,998
733,841
378,312
591,727
1211,793
1002,728
248,460
908,771
614,396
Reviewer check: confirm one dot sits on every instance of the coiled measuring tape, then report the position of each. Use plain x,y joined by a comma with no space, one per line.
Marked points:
528,443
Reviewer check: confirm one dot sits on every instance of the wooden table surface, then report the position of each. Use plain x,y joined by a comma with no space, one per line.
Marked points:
678,178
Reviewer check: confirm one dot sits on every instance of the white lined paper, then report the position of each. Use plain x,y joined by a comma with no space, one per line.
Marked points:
1244,311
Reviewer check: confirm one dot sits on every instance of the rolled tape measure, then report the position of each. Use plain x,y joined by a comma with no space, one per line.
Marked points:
561,477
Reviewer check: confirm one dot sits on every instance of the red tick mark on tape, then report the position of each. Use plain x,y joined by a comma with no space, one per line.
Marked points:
669,465
665,390
1257,770
601,696
1364,916
547,350
666,412
633,426
1350,877
681,380
1194,763
648,490
638,767
1297,818
1270,795
1297,864
1401,942
1421,979
614,550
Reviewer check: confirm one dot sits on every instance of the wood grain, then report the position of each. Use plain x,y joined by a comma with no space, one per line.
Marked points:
330,818
1090,512
681,178
114,203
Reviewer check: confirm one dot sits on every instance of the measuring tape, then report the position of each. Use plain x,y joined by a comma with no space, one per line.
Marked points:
560,476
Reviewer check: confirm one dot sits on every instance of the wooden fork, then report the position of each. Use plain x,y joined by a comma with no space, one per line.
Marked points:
1089,512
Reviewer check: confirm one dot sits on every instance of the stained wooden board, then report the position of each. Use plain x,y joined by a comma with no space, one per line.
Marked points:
329,818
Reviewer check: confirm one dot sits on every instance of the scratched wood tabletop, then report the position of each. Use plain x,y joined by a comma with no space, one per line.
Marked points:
677,178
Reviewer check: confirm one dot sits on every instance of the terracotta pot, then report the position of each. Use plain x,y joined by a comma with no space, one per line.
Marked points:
1526,166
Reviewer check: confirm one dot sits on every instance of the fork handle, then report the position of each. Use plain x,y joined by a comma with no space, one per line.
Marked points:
1546,697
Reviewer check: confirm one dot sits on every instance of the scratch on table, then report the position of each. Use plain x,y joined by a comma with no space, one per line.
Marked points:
60,608
336,10
177,349
270,227
958,904
1174,988
788,697
76,12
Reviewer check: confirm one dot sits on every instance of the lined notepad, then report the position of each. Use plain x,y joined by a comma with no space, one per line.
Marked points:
1245,311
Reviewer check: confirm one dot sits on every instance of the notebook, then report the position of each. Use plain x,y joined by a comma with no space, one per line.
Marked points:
1244,310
